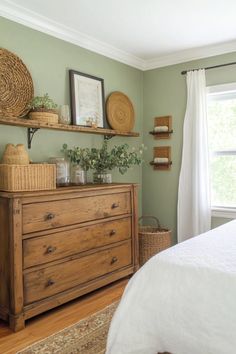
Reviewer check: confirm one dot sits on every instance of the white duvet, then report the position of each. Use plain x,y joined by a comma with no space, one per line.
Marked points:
182,301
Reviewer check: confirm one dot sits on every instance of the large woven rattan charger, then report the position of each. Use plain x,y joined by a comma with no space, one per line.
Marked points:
120,112
16,86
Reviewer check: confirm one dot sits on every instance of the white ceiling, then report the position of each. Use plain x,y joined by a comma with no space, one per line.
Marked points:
142,33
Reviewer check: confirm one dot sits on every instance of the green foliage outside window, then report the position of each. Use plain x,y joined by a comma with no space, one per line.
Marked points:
222,137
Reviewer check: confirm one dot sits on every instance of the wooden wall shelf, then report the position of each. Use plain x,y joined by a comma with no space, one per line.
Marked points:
161,163
27,123
161,134
161,122
161,152
33,126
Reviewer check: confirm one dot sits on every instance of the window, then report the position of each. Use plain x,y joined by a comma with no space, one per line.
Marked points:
222,145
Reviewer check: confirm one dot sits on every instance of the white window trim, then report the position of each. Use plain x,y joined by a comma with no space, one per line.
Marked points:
224,90
223,212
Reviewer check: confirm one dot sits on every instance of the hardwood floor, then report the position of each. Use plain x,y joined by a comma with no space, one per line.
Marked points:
55,320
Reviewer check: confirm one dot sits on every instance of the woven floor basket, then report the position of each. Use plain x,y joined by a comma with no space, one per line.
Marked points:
33,177
152,239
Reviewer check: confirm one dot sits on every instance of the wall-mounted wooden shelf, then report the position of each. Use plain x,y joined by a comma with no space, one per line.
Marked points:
161,122
27,123
33,126
162,134
161,164
161,153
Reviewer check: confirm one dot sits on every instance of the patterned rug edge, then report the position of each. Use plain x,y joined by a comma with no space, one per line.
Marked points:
112,307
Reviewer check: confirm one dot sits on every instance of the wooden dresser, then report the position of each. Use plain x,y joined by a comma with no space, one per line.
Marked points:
58,245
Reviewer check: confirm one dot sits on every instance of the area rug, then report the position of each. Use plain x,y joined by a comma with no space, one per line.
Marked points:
88,336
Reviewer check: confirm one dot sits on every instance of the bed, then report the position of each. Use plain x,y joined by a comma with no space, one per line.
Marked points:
182,301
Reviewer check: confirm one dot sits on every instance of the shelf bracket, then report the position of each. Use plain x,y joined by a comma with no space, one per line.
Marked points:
108,137
30,135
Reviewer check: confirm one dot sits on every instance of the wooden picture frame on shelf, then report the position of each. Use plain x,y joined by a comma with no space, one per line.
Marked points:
87,100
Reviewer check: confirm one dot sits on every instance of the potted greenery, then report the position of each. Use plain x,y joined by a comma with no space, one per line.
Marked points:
80,163
43,109
103,160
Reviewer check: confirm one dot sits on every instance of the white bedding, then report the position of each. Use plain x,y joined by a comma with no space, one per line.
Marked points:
182,301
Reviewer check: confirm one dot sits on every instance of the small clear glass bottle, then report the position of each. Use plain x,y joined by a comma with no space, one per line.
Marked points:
78,175
63,170
64,114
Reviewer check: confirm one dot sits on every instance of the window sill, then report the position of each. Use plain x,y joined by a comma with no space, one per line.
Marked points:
228,213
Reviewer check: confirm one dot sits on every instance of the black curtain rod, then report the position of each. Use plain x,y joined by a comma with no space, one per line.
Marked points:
209,67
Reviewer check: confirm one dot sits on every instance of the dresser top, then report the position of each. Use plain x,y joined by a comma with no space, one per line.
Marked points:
67,190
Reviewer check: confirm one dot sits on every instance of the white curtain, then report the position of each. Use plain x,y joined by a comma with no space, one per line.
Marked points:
194,207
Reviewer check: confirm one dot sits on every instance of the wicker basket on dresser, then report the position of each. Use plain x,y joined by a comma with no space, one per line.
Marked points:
58,245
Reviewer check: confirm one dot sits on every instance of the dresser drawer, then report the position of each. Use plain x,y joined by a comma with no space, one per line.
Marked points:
51,247
43,283
53,214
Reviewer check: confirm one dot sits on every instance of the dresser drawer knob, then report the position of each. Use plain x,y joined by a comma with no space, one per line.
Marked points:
114,260
50,282
115,205
113,232
50,216
50,249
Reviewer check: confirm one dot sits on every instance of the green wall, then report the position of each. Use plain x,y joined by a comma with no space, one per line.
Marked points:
48,60
153,93
165,94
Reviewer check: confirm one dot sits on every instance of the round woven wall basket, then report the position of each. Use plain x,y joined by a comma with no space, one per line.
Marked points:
152,239
16,86
120,112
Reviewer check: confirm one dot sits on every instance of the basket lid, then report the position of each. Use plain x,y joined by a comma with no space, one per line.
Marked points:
15,154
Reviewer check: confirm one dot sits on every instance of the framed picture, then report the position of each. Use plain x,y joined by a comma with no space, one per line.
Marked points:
87,100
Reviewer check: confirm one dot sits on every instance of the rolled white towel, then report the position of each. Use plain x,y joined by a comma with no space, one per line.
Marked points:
161,160
161,128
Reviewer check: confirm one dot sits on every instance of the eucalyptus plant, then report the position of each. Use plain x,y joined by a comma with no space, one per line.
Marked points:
123,159
102,159
78,156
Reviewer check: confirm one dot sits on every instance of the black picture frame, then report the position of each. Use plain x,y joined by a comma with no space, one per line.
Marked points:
87,100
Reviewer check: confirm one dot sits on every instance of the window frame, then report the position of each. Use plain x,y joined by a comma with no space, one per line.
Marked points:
225,91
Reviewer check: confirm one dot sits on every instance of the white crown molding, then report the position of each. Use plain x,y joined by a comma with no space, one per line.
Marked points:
190,54
43,24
